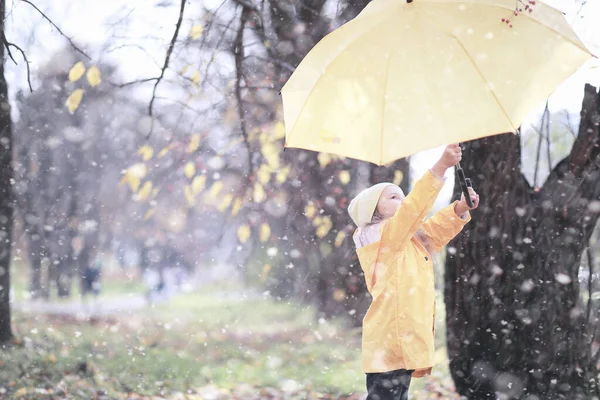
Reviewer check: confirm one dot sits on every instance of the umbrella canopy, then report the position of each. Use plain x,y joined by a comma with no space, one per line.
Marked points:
404,77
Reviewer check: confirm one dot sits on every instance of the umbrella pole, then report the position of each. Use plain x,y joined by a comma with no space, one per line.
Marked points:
465,184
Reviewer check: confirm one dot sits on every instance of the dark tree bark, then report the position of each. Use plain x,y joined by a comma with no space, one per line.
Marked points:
515,322
6,195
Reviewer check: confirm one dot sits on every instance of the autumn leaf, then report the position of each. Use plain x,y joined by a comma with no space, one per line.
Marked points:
225,202
324,227
258,195
339,239
196,32
344,177
76,72
324,159
196,77
198,183
146,152
264,174
398,176
339,294
310,210
265,232
265,271
189,169
94,76
194,143
155,192
21,392
164,151
145,191
184,69
216,188
283,174
189,196
74,100
133,176
149,214
237,206
279,130
243,233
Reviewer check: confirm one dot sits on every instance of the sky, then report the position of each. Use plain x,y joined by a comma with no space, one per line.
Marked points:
140,39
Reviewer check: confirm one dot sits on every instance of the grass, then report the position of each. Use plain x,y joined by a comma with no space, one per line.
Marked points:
196,342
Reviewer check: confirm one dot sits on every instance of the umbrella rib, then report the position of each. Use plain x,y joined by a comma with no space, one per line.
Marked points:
484,81
383,106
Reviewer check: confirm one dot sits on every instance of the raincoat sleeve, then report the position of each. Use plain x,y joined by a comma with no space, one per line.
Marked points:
443,227
415,207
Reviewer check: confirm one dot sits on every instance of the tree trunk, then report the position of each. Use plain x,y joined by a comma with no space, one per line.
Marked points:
6,195
516,327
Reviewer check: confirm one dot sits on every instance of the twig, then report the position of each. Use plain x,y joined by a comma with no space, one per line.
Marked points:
8,45
539,148
122,85
166,64
57,28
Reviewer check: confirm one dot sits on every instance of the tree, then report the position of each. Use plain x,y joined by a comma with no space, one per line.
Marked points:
516,323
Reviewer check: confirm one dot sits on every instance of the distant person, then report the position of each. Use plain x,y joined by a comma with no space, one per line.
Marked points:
394,245
91,277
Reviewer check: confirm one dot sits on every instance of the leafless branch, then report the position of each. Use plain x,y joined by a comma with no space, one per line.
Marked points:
548,141
8,45
122,85
216,49
167,59
540,132
284,64
57,28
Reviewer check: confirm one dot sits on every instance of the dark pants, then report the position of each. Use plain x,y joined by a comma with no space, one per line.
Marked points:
391,385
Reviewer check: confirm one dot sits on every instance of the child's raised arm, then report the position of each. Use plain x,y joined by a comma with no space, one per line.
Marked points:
410,215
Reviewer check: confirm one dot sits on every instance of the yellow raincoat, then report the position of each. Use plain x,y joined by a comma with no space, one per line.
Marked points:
398,328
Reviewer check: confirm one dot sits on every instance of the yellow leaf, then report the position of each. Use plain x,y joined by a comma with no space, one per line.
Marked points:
398,176
265,232
265,271
271,154
283,174
149,214
237,206
189,169
194,143
21,392
76,72
259,194
324,228
310,210
324,159
198,183
226,202
146,152
243,233
52,358
279,130
145,191
339,294
163,152
134,175
264,174
74,100
184,69
196,32
196,77
267,44
189,196
344,177
339,239
155,192
216,188
94,76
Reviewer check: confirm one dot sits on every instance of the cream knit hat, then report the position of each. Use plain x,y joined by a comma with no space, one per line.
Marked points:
362,207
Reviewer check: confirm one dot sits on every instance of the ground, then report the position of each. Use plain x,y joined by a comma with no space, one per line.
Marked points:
214,343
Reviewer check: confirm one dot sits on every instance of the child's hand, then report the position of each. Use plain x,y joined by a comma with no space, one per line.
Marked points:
451,156
462,207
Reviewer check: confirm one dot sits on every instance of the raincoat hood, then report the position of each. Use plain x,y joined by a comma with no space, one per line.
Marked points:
362,207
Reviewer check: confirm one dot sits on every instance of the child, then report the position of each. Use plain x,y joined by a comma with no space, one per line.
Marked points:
394,247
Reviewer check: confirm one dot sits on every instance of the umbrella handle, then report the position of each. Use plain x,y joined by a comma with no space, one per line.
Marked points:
465,184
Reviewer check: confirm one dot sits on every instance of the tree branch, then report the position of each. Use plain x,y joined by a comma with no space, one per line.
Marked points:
238,51
57,28
167,59
8,45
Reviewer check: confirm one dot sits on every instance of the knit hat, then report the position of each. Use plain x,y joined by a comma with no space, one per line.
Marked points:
362,207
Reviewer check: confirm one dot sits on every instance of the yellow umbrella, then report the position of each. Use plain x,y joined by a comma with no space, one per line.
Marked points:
403,77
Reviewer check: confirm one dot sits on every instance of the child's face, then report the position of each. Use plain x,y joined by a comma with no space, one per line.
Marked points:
390,201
